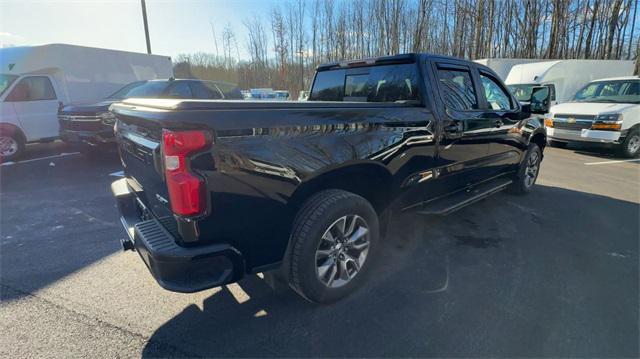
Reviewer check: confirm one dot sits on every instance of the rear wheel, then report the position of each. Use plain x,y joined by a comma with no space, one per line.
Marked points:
528,171
630,147
333,238
11,146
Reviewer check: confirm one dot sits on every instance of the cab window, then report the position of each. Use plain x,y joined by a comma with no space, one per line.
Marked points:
457,89
497,97
33,88
387,83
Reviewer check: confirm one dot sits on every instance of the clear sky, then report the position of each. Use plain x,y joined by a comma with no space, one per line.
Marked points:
175,26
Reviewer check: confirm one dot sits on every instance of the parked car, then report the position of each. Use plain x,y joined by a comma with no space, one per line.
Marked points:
604,111
282,95
36,80
90,126
563,77
217,190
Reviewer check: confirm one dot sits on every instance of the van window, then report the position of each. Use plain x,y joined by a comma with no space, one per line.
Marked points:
5,82
457,89
32,88
390,83
497,98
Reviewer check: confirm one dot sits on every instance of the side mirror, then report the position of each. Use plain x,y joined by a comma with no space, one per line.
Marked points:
540,100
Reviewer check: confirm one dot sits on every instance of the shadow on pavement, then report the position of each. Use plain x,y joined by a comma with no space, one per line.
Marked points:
550,274
57,216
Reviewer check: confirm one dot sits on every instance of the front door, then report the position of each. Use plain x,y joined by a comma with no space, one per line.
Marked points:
464,133
502,112
36,105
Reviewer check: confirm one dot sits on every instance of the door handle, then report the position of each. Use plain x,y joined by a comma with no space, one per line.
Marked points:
498,123
454,128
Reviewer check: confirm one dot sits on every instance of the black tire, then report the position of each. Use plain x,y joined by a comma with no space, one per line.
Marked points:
557,144
316,217
14,144
527,175
630,147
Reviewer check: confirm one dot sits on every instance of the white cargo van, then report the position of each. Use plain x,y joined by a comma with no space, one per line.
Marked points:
36,80
604,111
563,77
503,66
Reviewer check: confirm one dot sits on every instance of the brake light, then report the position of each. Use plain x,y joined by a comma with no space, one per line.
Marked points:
186,190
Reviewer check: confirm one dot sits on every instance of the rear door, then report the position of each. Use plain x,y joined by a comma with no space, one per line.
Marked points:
35,102
465,133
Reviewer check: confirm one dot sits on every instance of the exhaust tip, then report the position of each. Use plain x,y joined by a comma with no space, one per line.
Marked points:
127,244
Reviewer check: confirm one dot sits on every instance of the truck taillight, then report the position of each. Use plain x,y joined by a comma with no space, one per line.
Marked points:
186,190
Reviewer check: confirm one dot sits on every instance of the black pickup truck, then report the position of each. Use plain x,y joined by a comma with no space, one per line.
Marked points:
214,190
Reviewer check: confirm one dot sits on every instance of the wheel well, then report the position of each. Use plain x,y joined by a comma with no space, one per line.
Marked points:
540,139
11,128
368,181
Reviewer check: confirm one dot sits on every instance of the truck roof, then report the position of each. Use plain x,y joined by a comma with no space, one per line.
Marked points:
384,60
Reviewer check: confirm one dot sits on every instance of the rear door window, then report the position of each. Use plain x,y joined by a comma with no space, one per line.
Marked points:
458,91
33,88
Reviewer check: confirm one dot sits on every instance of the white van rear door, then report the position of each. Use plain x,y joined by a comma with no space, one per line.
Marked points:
35,102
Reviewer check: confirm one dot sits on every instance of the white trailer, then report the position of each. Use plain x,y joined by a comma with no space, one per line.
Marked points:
36,80
564,77
502,66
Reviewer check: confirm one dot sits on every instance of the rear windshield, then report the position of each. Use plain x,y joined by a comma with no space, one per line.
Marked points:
391,83
124,92
230,91
150,89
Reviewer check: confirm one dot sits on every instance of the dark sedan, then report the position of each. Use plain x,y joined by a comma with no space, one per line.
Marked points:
90,126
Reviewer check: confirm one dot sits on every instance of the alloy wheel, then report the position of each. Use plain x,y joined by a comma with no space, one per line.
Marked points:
342,251
533,166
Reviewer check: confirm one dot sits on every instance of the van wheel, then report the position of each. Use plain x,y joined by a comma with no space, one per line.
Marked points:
528,172
630,147
333,240
11,146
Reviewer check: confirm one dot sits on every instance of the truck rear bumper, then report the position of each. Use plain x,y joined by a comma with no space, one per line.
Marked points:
175,268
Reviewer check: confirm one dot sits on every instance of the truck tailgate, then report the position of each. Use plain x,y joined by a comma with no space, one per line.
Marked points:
140,152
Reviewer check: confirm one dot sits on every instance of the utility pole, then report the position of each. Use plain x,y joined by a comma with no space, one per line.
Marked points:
146,26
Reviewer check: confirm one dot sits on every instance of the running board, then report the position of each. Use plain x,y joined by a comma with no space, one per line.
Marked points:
455,201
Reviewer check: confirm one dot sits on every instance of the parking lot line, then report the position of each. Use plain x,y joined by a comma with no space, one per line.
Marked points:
41,158
611,162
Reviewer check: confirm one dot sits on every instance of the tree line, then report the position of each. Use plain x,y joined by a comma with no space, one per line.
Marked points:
286,45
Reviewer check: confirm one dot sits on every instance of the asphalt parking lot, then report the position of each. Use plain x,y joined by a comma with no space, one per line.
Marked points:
553,274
